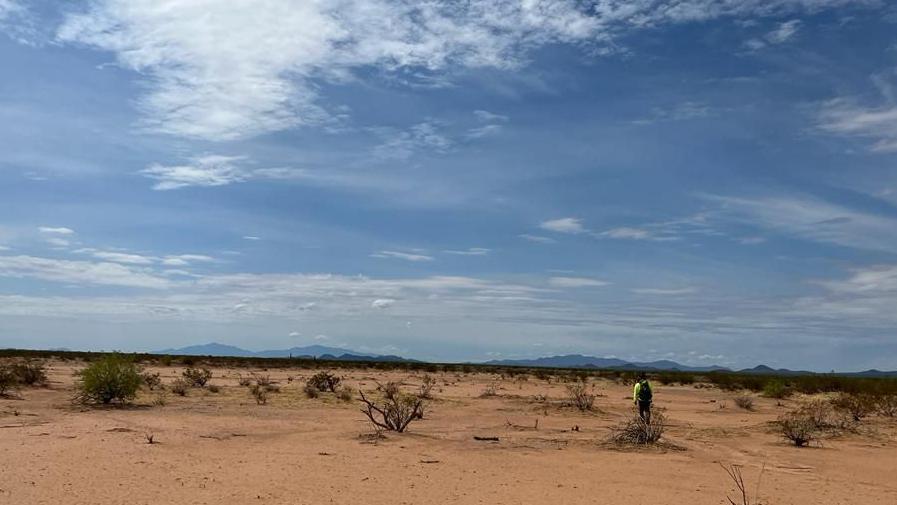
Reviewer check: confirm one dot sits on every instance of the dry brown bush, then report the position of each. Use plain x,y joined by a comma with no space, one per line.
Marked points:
259,393
887,405
395,412
152,381
426,387
490,390
799,429
310,391
734,472
746,402
180,387
324,381
580,397
8,382
244,381
857,405
635,431
197,377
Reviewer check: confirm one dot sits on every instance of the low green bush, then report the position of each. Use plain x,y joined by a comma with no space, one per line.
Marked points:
113,378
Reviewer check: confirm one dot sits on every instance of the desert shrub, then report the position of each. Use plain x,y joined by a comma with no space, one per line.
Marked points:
166,360
213,388
244,381
310,391
30,373
324,381
113,378
797,428
636,431
161,399
180,387
490,390
686,379
823,415
426,387
259,393
579,395
263,380
857,405
344,394
395,412
8,381
887,405
776,389
744,401
151,380
197,377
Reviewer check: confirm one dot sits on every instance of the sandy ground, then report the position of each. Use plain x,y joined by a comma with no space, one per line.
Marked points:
215,448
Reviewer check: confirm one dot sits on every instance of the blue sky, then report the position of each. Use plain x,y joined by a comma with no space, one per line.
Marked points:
709,181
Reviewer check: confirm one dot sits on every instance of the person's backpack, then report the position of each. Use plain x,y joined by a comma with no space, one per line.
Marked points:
644,391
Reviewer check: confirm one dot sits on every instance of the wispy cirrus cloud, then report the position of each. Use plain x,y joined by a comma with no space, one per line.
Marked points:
80,272
811,219
844,116
408,256
473,251
576,282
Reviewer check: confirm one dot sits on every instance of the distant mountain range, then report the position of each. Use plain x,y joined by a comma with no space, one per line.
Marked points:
565,361
309,351
580,361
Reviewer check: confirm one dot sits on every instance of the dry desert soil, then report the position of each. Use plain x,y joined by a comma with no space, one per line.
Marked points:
223,448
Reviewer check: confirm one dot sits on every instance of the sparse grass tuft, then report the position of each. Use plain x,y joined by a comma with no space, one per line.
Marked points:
734,472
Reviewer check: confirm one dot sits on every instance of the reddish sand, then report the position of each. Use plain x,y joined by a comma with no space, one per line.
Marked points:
217,448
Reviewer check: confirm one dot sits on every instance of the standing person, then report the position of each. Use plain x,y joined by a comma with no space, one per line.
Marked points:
642,396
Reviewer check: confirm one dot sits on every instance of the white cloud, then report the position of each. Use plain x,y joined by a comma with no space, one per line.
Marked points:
180,260
210,170
490,117
843,116
295,334
575,282
4,248
56,230
563,225
382,303
402,255
57,242
784,32
812,219
402,144
473,251
118,257
664,292
222,70
539,239
79,272
251,237
627,233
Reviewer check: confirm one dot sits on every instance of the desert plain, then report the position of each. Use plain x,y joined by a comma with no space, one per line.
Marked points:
224,448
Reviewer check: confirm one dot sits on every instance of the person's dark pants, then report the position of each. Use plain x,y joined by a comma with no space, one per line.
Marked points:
644,411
